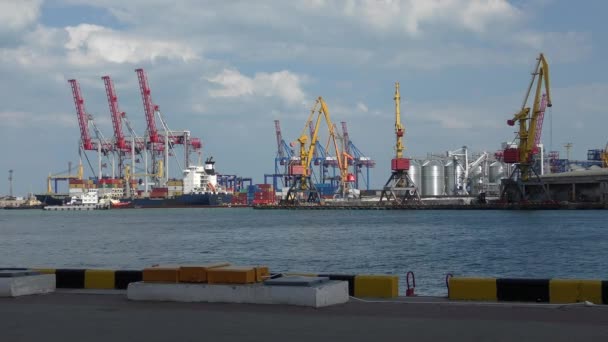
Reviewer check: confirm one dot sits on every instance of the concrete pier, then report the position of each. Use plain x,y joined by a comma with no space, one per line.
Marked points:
86,317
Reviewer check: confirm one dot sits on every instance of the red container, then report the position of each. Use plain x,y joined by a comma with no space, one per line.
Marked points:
511,155
400,164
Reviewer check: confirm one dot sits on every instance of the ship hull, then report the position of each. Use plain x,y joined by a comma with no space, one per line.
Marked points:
184,201
53,199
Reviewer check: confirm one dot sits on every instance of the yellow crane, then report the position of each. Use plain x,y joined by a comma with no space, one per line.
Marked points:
528,120
530,125
400,188
302,186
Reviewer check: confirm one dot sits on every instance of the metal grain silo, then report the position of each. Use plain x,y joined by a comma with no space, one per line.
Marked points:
415,173
433,178
454,173
497,172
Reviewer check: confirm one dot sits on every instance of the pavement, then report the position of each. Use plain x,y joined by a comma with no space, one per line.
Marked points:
109,316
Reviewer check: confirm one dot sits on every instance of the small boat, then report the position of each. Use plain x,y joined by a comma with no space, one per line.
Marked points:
86,201
115,204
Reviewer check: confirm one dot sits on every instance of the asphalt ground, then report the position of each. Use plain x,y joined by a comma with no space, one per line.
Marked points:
81,316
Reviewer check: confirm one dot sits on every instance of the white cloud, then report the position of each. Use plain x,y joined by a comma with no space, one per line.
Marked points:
283,84
427,34
18,119
410,15
16,15
362,107
90,44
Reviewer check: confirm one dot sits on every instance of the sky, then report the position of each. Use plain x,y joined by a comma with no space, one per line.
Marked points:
224,70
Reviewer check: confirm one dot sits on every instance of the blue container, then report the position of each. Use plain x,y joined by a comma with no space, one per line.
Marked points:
594,154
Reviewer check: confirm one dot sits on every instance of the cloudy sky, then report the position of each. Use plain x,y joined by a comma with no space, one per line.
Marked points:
226,69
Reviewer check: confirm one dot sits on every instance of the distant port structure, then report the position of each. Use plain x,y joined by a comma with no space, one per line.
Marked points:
322,165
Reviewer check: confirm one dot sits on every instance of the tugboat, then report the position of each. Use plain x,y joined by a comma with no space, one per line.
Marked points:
86,201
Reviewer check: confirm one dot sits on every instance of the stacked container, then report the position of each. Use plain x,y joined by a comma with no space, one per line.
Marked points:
265,195
175,187
240,197
326,190
159,193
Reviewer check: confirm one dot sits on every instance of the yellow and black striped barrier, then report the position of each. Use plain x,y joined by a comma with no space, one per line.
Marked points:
363,286
92,278
528,290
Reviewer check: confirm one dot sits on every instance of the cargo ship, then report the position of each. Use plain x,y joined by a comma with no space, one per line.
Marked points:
53,199
198,188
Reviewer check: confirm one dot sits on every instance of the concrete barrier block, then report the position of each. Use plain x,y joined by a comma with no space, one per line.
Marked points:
161,274
575,291
27,285
329,293
232,275
376,286
472,288
197,273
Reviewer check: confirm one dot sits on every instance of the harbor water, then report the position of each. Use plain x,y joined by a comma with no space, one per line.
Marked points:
565,244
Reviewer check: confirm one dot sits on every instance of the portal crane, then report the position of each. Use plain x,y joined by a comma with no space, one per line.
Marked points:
159,143
530,127
400,188
303,188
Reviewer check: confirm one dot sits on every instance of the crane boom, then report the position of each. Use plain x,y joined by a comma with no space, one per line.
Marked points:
149,107
117,115
83,120
399,131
